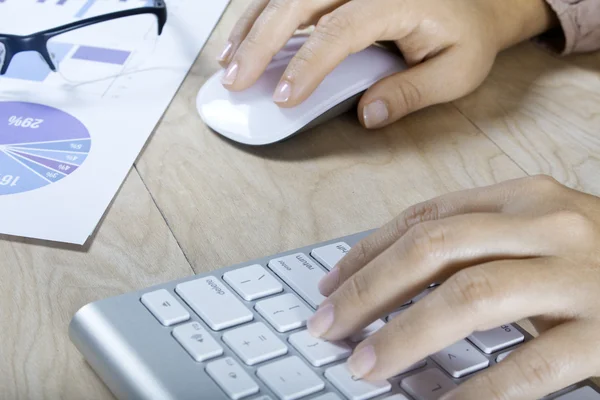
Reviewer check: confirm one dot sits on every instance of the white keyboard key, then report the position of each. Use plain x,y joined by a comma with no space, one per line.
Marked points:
502,356
203,294
285,312
430,384
367,331
165,308
460,359
302,274
583,393
197,341
331,254
496,339
355,389
232,378
255,343
396,396
290,378
317,351
328,396
252,282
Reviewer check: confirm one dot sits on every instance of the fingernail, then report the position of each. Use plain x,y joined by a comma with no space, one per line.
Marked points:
282,92
329,282
226,52
362,362
230,74
321,321
375,113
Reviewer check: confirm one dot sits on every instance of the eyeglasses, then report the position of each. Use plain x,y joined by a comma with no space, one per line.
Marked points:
107,42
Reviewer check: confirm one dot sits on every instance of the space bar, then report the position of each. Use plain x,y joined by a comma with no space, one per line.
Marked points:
301,274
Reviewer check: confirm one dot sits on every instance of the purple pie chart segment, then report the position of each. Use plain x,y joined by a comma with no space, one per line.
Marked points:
39,145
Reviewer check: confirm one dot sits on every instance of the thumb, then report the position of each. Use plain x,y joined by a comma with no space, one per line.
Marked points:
440,79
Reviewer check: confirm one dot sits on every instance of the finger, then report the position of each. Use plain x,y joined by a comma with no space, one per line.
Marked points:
431,252
558,358
337,35
487,199
240,30
440,79
475,299
269,33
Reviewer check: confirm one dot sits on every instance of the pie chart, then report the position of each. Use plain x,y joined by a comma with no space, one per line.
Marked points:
39,145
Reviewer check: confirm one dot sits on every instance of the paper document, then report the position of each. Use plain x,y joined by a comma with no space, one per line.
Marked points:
69,138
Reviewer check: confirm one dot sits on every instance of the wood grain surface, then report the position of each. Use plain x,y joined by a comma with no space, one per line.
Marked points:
196,202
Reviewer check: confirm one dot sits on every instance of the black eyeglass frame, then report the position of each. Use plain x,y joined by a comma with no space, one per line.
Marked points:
38,42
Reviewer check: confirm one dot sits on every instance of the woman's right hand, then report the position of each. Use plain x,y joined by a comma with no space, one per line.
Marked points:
450,46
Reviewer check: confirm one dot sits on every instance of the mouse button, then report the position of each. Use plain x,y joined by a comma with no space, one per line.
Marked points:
222,117
270,123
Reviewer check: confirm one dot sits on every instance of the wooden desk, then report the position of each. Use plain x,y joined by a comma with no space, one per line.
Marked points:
195,202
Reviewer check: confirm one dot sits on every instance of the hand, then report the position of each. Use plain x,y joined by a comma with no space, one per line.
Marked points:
451,46
523,248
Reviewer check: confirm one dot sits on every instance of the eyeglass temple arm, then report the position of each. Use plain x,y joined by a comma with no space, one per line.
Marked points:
159,10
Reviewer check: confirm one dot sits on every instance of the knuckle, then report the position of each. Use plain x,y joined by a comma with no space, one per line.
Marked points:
406,95
494,390
470,290
538,369
400,328
427,239
305,56
357,291
277,5
426,211
332,27
543,183
580,227
358,254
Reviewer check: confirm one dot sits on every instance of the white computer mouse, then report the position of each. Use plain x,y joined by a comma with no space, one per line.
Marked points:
251,117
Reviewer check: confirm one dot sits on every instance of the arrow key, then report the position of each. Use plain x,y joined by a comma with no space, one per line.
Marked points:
461,359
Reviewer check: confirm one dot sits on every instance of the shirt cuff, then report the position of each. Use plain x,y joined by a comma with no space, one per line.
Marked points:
580,22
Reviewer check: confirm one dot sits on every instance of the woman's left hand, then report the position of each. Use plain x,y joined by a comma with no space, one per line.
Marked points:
523,248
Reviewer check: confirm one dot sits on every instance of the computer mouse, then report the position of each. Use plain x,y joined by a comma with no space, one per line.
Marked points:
251,117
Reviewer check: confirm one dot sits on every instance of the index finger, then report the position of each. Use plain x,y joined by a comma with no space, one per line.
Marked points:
336,36
269,32
240,30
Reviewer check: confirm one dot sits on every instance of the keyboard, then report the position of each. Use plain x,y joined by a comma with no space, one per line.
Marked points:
240,333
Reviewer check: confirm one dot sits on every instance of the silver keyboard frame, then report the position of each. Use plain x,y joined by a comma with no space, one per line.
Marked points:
138,358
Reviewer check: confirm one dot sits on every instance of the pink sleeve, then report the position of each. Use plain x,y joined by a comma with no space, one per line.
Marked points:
580,20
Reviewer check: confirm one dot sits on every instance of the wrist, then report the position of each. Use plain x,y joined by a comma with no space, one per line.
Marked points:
519,20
